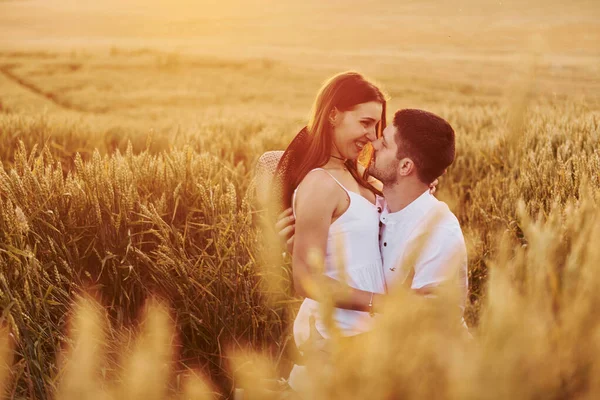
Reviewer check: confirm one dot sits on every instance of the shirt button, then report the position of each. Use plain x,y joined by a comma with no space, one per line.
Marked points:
385,243
379,209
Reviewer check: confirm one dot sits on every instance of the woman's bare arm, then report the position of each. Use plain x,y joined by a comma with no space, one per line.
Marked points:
315,205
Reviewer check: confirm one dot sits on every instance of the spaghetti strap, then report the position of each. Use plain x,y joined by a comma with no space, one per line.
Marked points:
332,177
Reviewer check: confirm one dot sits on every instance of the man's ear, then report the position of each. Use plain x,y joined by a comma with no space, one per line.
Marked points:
407,166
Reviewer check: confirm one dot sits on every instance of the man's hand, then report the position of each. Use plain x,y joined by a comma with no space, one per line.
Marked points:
286,227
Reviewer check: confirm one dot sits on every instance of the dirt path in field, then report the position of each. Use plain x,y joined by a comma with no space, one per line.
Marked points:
52,97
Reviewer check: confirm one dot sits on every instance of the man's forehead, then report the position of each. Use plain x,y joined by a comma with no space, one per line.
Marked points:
389,132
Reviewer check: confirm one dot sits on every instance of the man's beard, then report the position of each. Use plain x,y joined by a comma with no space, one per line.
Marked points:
387,176
373,171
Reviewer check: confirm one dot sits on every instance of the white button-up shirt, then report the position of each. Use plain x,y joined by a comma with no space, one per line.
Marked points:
424,236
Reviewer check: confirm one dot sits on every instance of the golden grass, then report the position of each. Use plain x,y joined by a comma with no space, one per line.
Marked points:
127,171
179,224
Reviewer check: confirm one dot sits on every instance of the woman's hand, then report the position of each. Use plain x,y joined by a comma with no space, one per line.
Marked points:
433,186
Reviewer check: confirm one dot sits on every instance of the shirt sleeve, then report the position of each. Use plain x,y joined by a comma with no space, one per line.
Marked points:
442,257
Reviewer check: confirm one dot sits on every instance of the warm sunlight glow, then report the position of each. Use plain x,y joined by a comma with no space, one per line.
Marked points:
143,163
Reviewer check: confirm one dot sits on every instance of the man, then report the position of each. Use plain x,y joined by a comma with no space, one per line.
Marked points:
420,239
412,153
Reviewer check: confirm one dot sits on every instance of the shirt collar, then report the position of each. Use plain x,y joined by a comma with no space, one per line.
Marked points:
417,208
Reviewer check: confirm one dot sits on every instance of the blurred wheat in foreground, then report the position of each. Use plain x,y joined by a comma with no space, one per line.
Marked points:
539,337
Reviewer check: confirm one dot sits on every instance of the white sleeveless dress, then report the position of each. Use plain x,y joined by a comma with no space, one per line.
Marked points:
357,232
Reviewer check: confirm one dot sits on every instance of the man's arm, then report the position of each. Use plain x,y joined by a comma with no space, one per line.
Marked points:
443,258
286,226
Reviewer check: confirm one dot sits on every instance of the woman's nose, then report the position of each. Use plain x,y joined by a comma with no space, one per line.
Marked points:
371,135
376,144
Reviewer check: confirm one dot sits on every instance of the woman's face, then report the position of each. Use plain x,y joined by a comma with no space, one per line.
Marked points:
356,127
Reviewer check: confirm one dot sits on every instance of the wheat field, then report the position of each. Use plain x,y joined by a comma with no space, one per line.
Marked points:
135,262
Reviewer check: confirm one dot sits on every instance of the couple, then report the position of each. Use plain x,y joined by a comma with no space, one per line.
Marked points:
378,208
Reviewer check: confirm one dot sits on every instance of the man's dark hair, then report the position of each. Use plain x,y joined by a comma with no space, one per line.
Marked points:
426,139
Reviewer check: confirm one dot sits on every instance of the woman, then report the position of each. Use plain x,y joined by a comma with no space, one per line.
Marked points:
335,209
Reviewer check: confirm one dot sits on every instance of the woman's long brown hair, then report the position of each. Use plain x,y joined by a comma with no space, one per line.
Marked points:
311,148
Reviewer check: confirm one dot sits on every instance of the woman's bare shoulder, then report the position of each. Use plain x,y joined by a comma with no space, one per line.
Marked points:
318,183
318,196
